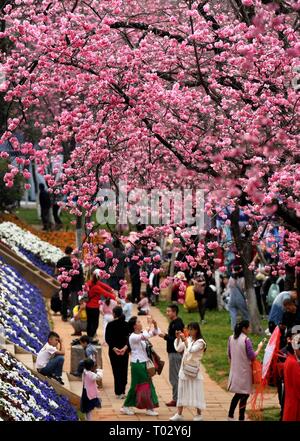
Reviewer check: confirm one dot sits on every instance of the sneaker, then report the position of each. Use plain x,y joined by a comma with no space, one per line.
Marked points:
151,412
58,379
177,417
127,411
198,418
172,403
231,419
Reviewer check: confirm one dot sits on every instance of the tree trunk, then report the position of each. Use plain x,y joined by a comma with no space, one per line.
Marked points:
244,248
79,232
218,286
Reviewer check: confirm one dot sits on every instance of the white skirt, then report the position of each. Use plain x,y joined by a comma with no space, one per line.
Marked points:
191,393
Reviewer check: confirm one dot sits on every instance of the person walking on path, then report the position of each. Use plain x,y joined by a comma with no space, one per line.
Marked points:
70,293
50,358
175,358
240,354
45,204
190,387
96,292
90,396
142,393
237,301
116,336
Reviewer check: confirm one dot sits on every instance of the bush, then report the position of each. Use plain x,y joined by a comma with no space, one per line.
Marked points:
10,197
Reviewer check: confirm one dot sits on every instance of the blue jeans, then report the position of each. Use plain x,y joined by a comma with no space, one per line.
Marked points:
235,306
54,366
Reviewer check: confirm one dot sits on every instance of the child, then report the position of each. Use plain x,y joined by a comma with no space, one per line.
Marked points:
127,307
143,305
106,309
50,359
89,352
90,397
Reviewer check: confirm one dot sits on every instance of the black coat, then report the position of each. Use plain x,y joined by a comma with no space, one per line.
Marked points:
45,201
117,333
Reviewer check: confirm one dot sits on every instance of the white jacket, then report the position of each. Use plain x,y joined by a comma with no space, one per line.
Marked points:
193,353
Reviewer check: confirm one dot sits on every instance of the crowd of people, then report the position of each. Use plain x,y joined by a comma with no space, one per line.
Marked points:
126,339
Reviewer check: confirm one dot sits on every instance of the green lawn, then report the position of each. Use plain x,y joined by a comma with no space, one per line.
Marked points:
216,332
30,216
271,414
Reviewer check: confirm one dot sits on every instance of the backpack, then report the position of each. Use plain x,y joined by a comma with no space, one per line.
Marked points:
273,292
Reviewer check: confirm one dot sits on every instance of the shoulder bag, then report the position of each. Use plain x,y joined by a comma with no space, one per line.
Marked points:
190,368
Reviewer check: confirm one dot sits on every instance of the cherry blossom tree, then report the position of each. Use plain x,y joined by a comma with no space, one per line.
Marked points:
162,94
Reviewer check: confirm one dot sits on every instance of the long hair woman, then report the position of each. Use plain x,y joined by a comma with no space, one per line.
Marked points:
190,387
240,354
142,393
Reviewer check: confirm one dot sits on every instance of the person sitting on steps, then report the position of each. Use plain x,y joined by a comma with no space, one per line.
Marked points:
50,358
79,320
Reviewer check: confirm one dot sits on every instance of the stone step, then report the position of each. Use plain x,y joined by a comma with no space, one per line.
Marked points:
10,348
66,380
76,387
25,359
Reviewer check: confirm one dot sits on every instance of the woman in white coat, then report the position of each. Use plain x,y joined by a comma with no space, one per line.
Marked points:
190,385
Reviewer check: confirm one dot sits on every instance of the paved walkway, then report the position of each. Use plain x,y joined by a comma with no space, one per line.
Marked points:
217,399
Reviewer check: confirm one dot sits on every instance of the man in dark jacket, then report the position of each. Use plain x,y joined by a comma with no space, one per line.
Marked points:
116,336
175,358
45,204
69,294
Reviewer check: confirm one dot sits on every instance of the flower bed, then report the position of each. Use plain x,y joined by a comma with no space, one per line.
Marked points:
16,237
24,397
60,239
28,255
22,310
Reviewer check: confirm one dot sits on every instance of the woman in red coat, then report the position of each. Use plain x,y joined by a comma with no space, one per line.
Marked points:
96,291
292,383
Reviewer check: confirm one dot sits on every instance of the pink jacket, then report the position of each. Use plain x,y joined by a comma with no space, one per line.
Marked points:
89,382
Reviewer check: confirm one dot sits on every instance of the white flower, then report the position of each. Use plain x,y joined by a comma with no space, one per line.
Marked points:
15,237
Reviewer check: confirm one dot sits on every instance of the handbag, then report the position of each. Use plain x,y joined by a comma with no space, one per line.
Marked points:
158,362
190,368
150,368
154,359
